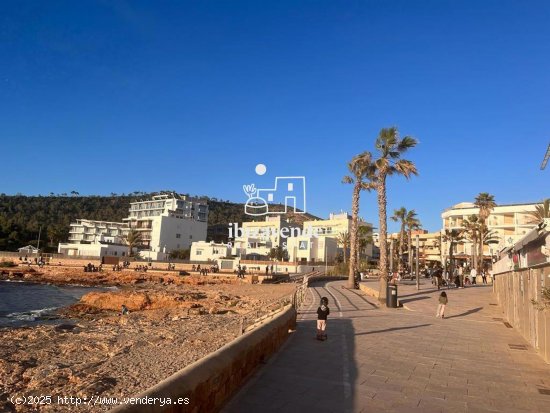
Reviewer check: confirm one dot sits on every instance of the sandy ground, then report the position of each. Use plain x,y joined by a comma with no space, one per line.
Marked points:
96,351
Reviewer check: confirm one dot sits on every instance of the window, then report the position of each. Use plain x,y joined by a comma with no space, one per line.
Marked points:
178,235
199,252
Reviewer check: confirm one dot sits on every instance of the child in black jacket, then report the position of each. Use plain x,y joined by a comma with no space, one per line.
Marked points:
322,314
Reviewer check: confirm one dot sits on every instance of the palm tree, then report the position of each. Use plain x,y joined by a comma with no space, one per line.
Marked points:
471,227
486,237
413,224
361,173
344,241
390,147
453,237
486,203
400,215
541,212
132,239
364,237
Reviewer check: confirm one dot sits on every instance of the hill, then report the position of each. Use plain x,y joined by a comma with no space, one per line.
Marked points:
21,217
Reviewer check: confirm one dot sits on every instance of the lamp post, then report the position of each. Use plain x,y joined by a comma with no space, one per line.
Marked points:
417,273
391,256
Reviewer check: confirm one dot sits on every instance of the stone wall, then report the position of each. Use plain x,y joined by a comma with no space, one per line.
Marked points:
514,291
211,381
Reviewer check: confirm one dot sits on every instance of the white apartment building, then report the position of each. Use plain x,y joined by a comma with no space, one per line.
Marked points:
208,251
312,249
254,240
334,226
166,222
509,222
95,239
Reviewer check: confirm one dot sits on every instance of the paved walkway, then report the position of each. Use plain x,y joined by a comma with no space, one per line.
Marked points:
400,360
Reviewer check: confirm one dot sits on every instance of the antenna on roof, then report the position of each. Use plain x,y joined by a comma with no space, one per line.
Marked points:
546,157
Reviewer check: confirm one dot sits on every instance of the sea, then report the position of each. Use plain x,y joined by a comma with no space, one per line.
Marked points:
28,304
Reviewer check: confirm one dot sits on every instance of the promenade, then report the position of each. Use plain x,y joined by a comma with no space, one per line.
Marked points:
400,360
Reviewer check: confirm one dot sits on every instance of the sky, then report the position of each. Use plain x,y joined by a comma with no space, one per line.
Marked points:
119,96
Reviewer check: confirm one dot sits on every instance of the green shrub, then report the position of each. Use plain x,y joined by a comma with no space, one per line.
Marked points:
7,264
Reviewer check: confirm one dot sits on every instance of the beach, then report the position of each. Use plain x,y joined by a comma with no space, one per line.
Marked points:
93,350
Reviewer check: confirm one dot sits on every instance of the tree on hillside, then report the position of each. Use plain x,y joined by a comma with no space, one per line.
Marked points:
390,148
361,177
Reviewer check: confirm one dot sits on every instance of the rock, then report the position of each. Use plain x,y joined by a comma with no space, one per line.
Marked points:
134,301
63,328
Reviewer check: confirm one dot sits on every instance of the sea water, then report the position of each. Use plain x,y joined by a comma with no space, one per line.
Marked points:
24,303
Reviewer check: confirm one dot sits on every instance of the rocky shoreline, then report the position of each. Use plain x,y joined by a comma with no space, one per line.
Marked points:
173,321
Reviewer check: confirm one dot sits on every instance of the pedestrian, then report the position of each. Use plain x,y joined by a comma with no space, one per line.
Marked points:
473,275
124,310
322,313
439,278
442,303
484,276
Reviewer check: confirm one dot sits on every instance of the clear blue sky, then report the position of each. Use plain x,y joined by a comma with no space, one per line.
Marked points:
105,96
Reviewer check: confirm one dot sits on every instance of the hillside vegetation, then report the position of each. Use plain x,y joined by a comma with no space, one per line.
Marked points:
21,217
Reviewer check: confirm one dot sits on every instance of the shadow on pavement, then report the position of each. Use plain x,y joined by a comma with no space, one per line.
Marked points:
424,297
306,374
386,330
472,311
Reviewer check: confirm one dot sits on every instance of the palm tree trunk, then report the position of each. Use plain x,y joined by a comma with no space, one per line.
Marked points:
401,247
382,218
451,261
353,235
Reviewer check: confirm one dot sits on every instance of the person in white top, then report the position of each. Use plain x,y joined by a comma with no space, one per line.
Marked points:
473,275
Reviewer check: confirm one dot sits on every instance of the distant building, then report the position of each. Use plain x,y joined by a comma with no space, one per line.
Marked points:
429,246
312,249
334,226
508,222
208,251
256,239
95,239
530,250
166,222
29,249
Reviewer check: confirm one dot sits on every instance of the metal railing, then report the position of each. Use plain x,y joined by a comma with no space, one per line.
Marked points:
254,318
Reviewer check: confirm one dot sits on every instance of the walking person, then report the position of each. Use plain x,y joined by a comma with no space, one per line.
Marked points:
484,276
322,313
473,275
443,300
